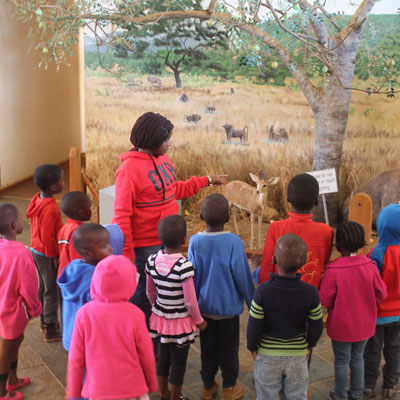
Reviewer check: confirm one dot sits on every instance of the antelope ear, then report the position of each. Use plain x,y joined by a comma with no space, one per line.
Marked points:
273,181
254,178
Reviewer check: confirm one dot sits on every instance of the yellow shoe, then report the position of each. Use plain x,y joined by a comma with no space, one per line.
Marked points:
208,394
233,393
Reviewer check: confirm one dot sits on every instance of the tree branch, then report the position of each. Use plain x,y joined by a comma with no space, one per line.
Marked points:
298,73
358,19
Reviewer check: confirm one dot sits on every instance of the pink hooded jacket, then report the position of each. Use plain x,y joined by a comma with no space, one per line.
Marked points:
111,339
351,288
18,289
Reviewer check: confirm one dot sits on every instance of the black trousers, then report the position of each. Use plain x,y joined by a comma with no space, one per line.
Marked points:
220,348
388,337
174,357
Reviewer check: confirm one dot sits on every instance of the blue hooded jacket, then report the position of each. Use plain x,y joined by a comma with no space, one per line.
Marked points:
74,283
388,226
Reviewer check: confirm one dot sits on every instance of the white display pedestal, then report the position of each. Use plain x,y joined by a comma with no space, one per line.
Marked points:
106,206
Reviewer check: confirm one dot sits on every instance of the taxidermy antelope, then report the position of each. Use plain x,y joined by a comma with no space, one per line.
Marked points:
253,200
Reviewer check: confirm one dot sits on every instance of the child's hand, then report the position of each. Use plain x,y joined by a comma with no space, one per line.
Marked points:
254,354
256,260
202,327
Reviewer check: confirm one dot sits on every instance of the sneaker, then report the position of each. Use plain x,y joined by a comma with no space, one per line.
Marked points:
388,393
52,333
332,395
233,393
208,394
369,393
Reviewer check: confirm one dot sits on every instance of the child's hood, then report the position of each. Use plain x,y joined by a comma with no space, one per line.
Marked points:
75,280
37,204
388,225
114,280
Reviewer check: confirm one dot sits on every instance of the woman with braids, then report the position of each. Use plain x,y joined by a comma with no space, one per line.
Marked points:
146,192
351,288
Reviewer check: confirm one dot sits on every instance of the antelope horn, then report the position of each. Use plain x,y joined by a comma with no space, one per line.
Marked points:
265,176
259,173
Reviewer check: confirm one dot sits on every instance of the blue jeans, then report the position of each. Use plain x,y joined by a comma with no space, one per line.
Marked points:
276,374
347,355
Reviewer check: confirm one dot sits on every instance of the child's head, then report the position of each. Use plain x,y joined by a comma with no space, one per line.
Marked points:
76,205
290,253
10,220
49,178
349,237
215,210
172,231
152,132
92,242
302,192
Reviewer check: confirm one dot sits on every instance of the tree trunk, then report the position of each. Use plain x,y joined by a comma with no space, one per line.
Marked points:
177,78
331,111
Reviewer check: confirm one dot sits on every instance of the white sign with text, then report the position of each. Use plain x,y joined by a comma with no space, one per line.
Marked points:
326,179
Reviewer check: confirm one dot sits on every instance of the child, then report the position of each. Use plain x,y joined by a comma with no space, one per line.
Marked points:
18,301
175,313
387,335
76,206
350,289
146,190
45,223
285,320
92,242
223,281
110,338
302,194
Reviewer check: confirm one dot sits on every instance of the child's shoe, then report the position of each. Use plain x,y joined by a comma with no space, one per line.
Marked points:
21,383
369,393
233,393
53,333
12,396
388,393
208,394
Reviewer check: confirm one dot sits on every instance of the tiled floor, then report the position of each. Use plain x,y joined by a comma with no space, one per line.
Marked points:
46,364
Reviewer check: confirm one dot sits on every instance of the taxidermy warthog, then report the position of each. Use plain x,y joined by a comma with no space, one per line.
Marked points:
383,189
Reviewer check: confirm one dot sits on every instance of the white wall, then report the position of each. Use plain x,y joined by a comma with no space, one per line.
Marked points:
41,111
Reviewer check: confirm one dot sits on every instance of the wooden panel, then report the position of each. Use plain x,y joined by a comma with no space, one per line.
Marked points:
360,211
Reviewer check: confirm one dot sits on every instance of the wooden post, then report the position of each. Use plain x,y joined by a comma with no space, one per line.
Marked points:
75,165
360,210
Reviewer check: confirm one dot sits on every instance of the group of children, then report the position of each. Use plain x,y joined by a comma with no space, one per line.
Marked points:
111,354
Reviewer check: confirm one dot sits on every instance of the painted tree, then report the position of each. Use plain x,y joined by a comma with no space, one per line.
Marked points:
322,38
174,41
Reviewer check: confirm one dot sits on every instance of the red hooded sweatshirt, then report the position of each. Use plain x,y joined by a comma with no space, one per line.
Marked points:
46,221
317,236
146,191
65,246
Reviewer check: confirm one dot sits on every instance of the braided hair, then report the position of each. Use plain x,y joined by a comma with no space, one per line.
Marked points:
150,131
350,236
302,192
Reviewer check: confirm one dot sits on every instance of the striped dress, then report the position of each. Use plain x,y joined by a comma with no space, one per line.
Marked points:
170,319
